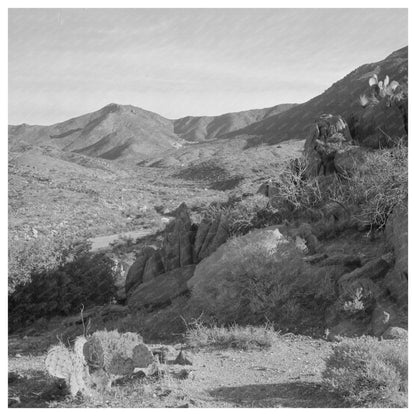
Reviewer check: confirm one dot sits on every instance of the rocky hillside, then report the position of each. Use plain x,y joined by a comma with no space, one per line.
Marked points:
120,132
114,132
196,129
341,98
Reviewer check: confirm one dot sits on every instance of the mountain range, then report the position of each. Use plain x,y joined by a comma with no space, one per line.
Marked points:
120,132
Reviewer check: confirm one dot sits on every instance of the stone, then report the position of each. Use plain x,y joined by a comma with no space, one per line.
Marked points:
216,235
154,267
164,353
183,358
374,270
161,290
200,237
395,332
177,244
329,135
136,270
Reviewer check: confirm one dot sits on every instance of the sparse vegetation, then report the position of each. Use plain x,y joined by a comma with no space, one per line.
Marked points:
368,372
234,336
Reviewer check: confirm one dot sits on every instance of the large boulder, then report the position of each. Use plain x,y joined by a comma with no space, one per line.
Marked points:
215,287
161,290
397,236
154,266
329,135
178,242
136,270
210,236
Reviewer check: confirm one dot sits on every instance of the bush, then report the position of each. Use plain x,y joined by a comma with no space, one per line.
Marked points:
261,284
368,194
380,185
234,336
245,214
88,279
368,372
37,255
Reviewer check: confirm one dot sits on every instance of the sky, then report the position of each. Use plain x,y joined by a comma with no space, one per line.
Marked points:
179,62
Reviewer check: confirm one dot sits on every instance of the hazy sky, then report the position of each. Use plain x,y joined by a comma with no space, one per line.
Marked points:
178,62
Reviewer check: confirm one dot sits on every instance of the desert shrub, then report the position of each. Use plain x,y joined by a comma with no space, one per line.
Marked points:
234,336
367,194
244,214
368,372
87,279
264,284
26,257
378,187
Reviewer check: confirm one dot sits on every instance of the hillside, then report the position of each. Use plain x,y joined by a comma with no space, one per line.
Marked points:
341,98
113,132
210,127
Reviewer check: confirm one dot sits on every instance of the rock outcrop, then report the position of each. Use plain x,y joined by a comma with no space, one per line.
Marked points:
159,291
158,276
329,136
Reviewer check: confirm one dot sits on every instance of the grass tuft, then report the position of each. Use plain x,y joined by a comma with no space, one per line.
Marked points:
234,336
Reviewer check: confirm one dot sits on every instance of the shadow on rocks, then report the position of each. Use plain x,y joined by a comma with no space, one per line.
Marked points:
297,394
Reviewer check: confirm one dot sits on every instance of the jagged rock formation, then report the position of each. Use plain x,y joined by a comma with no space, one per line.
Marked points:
158,276
329,136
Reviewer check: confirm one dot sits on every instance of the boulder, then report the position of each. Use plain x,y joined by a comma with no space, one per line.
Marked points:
200,237
216,235
154,266
329,135
161,290
214,286
395,332
136,270
183,358
374,270
397,236
177,244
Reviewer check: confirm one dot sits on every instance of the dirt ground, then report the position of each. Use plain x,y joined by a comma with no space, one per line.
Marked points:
287,375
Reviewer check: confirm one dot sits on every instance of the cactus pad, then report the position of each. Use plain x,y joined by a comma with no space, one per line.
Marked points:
59,362
142,356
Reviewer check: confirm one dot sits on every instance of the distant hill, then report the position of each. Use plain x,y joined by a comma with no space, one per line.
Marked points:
210,127
114,132
121,132
341,98
126,132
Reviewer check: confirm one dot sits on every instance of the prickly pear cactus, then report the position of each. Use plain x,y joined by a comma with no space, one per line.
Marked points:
121,366
142,356
71,366
79,348
59,362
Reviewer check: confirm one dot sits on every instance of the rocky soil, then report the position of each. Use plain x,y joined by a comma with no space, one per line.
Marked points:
287,375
